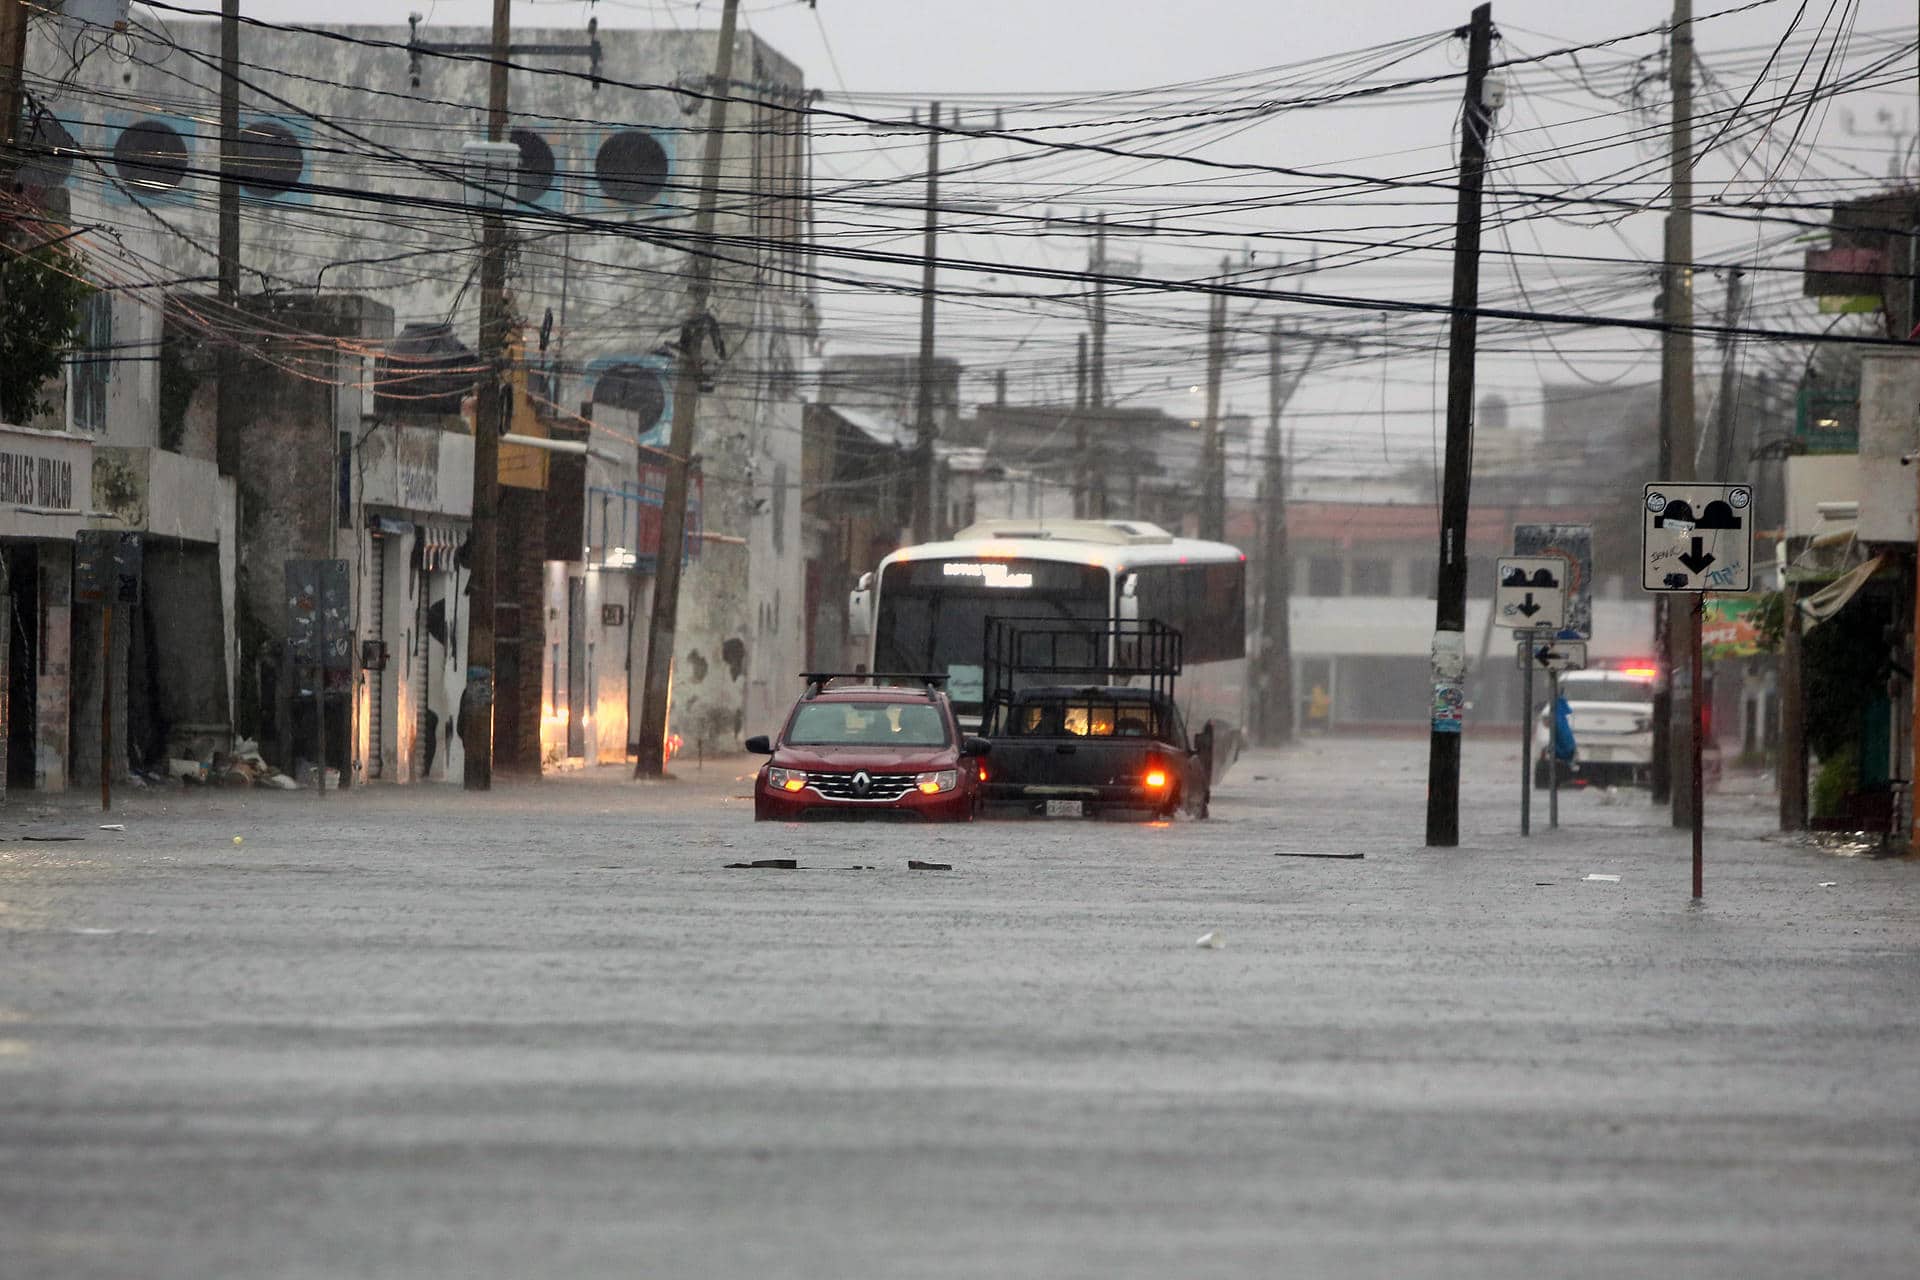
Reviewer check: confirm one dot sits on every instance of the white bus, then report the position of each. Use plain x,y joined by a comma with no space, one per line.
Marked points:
925,609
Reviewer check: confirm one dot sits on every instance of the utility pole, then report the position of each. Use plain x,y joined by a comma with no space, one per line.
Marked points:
227,383
13,57
652,759
1677,443
924,472
1276,635
1449,653
1082,437
476,733
1097,376
1213,484
1723,416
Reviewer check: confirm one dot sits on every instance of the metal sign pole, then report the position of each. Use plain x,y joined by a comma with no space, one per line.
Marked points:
1699,731
320,695
1553,749
1526,733
106,707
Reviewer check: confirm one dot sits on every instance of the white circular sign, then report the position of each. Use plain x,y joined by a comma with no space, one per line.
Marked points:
1739,498
1656,502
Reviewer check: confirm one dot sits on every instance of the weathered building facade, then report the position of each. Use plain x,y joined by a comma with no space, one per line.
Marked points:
353,188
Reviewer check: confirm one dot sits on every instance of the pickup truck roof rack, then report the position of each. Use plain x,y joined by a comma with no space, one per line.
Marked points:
1115,651
931,682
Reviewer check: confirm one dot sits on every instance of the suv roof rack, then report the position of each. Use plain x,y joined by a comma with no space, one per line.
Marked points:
931,682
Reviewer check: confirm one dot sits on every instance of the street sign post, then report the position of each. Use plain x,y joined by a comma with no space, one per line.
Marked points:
1696,538
1530,592
1542,651
1545,653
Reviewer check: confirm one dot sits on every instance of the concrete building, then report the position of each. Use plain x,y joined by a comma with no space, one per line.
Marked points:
352,145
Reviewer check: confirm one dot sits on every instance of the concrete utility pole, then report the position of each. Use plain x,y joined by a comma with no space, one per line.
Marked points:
476,731
1723,408
1213,483
13,56
652,759
1677,443
1449,653
227,383
924,472
1097,376
1276,631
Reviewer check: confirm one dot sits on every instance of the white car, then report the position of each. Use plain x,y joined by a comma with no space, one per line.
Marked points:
1611,711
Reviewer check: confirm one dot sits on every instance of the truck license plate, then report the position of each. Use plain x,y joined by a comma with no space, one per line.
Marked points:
1064,809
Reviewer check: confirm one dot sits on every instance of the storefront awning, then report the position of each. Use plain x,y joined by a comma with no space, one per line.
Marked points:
1833,597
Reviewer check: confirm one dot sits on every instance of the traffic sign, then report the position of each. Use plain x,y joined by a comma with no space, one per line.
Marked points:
1530,592
1541,654
1572,543
1696,537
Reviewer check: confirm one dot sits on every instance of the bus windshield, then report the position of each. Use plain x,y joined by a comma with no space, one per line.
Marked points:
933,613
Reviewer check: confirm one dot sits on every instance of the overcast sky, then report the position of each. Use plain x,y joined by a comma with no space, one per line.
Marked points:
1569,121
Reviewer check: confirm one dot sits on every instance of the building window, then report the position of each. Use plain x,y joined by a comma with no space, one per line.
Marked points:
1421,579
635,388
268,159
150,155
631,167
1372,577
1326,576
534,178
93,363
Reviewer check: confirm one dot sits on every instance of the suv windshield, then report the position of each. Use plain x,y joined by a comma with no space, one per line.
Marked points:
1605,690
896,724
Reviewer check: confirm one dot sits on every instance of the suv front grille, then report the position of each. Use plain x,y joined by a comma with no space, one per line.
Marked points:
882,788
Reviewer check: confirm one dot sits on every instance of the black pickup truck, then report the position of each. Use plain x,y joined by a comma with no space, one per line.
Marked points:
1087,749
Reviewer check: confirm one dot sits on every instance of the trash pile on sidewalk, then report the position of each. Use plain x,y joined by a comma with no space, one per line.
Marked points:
241,767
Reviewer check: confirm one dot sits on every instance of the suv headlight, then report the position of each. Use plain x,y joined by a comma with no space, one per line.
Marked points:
939,780
786,779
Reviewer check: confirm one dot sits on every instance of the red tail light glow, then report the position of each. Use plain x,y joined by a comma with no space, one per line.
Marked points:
1156,779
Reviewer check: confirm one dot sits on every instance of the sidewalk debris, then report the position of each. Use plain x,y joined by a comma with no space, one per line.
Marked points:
1292,853
1212,940
914,864
1828,884
765,864
52,839
113,826
1604,879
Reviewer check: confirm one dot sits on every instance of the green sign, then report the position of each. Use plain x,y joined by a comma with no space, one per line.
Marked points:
1730,628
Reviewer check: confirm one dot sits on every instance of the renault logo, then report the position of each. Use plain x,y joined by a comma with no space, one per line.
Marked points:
862,783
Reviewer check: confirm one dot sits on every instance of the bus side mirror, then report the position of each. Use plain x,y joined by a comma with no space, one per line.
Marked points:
1130,598
860,608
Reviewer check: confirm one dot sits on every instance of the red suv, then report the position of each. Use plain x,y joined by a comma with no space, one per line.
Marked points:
869,750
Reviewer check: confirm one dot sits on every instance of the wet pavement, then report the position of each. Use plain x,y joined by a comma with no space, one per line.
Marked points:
547,1032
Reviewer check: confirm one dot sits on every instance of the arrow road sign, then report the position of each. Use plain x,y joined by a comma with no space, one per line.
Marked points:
1550,655
1697,537
1531,592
